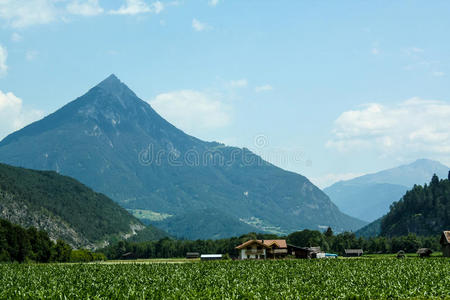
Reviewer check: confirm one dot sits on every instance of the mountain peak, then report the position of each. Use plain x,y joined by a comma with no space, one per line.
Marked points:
113,85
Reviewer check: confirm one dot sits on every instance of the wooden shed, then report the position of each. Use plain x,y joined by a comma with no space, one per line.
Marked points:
424,252
445,243
353,252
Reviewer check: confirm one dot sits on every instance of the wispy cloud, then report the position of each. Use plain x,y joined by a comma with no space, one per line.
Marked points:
199,26
263,88
15,37
134,7
85,8
438,73
213,2
239,83
3,57
23,13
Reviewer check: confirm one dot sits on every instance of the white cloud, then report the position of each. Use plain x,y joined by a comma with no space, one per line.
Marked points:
263,88
413,128
192,111
213,2
375,51
134,7
22,13
331,178
239,83
15,37
199,26
3,57
13,116
85,8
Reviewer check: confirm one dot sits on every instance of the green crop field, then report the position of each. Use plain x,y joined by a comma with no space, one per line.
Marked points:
283,279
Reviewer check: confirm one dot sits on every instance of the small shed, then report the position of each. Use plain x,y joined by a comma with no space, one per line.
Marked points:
445,243
353,252
192,255
424,252
211,256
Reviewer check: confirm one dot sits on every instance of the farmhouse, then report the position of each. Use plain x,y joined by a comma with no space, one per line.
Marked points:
353,252
261,249
445,243
424,252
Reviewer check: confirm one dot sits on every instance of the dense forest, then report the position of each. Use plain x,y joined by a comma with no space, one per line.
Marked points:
328,241
64,208
18,244
424,210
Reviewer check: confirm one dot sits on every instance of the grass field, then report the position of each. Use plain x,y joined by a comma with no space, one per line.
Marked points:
284,279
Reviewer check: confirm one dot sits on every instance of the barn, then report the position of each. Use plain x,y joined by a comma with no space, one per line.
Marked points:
445,243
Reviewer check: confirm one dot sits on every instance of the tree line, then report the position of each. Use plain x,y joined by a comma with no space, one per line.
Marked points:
424,210
328,241
18,244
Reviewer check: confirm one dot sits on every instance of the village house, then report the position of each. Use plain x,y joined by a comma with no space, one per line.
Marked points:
262,249
445,243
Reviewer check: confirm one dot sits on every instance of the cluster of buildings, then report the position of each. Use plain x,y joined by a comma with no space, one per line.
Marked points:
273,249
267,249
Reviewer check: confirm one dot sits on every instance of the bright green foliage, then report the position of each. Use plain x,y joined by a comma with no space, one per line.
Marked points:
289,279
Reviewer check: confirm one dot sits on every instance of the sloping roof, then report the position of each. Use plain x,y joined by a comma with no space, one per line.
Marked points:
264,243
353,251
279,243
445,238
250,242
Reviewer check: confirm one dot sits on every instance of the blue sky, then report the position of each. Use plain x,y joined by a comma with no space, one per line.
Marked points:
328,89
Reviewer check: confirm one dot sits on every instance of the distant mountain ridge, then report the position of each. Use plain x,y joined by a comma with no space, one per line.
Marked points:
65,208
368,197
114,142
